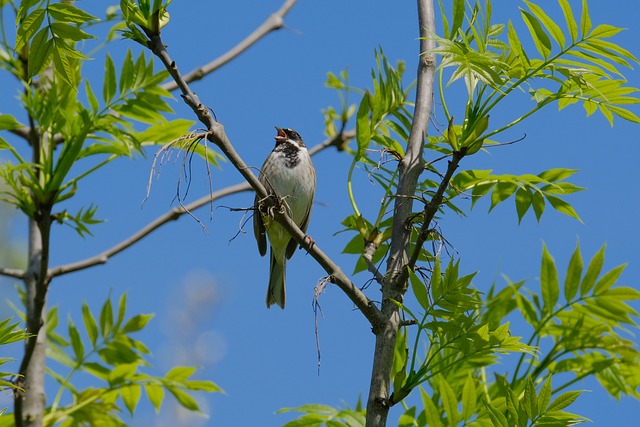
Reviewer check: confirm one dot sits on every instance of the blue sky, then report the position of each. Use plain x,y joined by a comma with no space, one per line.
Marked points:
208,290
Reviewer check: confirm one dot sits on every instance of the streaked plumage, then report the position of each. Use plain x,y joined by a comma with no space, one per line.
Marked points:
288,172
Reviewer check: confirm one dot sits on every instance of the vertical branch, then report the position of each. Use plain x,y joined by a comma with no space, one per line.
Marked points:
30,398
29,402
394,285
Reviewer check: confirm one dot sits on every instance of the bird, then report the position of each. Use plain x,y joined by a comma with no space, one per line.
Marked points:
289,174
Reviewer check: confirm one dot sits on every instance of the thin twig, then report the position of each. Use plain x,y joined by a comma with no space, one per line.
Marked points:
370,249
12,272
163,219
274,22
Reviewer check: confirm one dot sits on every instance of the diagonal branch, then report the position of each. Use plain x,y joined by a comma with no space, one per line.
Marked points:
431,208
165,218
217,135
274,22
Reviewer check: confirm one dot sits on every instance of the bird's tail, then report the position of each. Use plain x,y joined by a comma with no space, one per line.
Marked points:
276,294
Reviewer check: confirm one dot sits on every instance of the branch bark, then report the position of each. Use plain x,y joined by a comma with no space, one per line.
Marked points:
395,284
30,397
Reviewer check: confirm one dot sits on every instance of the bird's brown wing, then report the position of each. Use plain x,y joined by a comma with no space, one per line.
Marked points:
259,229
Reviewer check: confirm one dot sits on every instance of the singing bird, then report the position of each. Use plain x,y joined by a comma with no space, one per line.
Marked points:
289,174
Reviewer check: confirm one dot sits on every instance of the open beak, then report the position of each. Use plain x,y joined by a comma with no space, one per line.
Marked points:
281,136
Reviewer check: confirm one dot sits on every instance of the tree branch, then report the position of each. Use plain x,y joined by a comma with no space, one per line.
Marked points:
410,168
217,135
431,208
12,272
165,218
274,22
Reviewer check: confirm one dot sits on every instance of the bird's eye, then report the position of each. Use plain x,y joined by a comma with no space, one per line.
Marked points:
294,135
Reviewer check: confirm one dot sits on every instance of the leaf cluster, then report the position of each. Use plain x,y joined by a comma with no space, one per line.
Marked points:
579,64
580,336
326,416
105,351
529,191
66,129
9,333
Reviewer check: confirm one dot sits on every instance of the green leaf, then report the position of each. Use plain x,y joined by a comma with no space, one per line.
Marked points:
76,341
28,27
523,199
91,97
89,324
363,127
608,280
432,414
449,401
545,395
69,32
585,19
502,191
458,17
122,308
527,309
563,207
538,204
8,122
126,74
208,386
63,63
497,417
623,113
548,23
604,31
530,400
109,86
574,273
106,319
39,52
452,138
67,12
469,398
436,280
593,271
624,293
548,281
564,400
184,399
557,174
516,46
155,394
540,38
569,19
136,323
180,373
419,290
131,396
122,372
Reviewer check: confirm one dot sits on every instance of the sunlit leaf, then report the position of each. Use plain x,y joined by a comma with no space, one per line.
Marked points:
549,281
593,271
